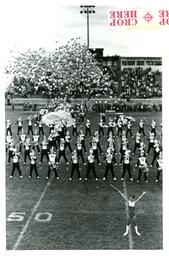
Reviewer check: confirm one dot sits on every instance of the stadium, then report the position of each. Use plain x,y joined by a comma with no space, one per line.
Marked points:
83,150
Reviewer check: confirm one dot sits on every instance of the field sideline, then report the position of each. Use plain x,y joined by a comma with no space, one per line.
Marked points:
56,215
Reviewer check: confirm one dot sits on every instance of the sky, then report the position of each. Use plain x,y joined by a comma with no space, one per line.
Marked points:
45,23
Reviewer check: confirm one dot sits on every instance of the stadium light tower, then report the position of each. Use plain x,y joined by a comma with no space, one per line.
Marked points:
87,9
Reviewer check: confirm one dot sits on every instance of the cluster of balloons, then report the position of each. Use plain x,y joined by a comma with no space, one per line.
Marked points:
69,67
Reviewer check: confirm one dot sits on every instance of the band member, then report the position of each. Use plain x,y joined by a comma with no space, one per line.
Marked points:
81,117
30,125
55,141
15,159
151,140
27,147
33,166
129,125
143,167
153,127
90,165
119,126
8,141
103,118
126,164
142,149
159,166
44,150
157,150
88,128
131,213
110,127
141,128
51,126
20,125
79,150
74,126
36,142
52,164
137,142
22,139
8,127
12,149
82,140
101,127
67,141
51,142
62,151
95,150
75,165
40,124
97,139
110,159
123,148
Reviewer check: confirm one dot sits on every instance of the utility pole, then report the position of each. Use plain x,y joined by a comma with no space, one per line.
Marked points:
87,9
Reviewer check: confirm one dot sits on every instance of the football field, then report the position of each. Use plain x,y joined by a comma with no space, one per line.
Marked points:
61,214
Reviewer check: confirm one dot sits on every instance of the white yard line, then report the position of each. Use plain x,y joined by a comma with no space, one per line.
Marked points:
24,229
130,236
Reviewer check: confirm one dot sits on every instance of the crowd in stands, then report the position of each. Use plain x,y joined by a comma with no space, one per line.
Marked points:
133,83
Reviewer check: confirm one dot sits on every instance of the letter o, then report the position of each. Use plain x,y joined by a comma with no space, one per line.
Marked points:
43,216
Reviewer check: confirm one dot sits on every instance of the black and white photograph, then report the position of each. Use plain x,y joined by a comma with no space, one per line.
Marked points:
83,115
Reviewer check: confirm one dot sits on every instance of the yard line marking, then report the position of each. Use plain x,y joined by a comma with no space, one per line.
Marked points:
33,212
31,216
131,242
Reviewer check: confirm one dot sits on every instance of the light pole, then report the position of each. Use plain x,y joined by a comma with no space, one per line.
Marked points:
87,9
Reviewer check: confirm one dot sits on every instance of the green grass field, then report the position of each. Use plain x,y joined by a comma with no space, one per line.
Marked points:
56,215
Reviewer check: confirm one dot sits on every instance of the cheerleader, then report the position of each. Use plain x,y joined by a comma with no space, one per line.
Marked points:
131,211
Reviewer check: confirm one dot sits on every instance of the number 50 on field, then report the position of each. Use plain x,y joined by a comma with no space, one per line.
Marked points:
19,216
